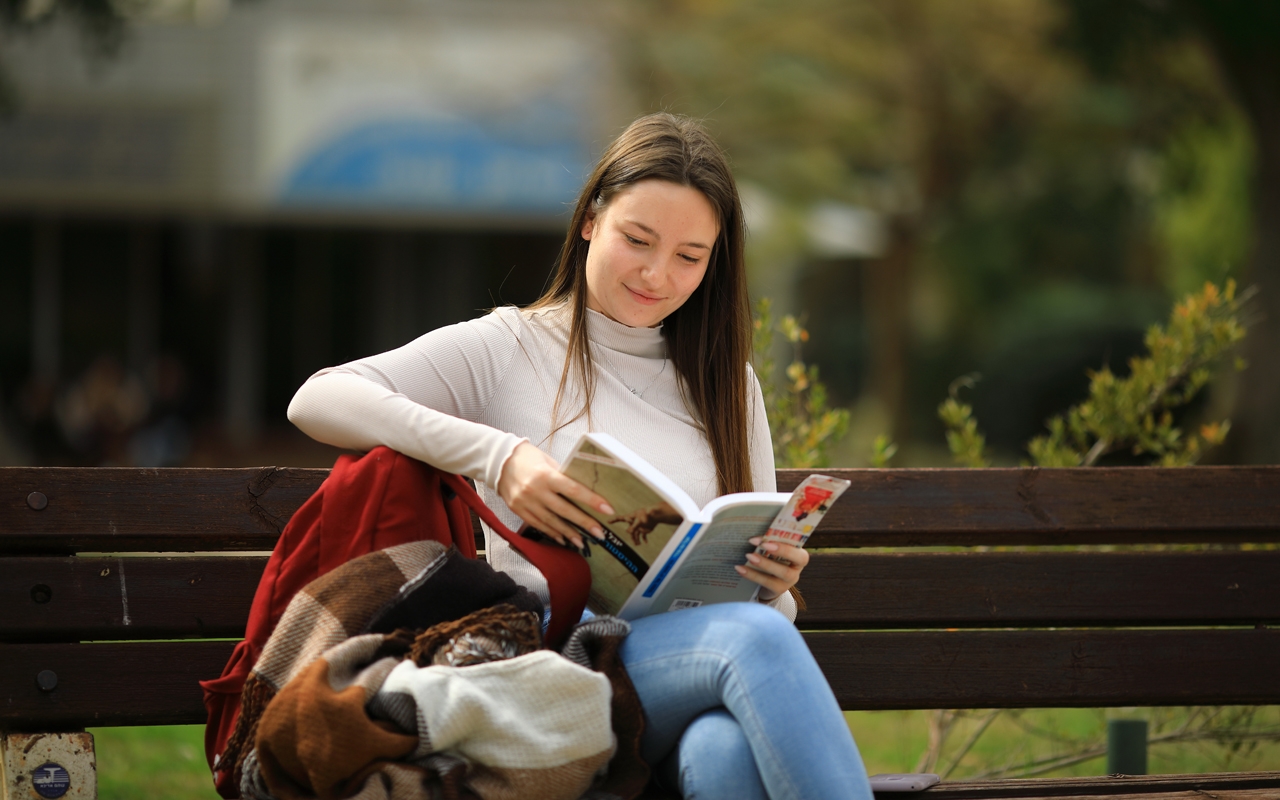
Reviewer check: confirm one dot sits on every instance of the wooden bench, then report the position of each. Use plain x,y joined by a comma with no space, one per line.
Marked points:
93,619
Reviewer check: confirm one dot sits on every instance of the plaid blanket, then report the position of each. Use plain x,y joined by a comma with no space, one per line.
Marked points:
425,582
352,698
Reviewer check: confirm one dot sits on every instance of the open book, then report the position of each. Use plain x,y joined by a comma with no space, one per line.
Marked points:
661,552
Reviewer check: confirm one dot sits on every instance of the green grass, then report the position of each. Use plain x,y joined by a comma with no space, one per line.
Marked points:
167,763
158,763
892,741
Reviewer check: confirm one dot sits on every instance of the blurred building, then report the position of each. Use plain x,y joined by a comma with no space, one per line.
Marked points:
191,227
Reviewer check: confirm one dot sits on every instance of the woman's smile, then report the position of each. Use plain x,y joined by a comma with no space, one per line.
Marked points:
641,297
648,251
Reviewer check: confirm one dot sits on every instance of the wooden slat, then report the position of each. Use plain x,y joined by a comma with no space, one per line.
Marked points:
948,590
126,598
120,509
125,509
1225,785
206,597
1028,506
146,683
143,683
1035,669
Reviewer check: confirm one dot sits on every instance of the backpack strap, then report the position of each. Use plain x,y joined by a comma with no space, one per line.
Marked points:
568,576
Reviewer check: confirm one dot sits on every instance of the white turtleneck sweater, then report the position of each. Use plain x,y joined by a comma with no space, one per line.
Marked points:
462,397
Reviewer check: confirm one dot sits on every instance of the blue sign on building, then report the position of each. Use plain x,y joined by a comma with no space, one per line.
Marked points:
446,166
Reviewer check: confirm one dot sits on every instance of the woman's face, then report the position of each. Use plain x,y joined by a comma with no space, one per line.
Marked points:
648,250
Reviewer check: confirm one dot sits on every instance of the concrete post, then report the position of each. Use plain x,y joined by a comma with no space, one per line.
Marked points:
34,766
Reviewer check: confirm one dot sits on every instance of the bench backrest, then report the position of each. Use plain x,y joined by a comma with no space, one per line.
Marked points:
105,572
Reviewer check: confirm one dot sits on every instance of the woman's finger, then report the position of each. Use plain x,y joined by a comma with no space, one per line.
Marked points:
568,487
574,516
769,584
783,552
777,569
557,529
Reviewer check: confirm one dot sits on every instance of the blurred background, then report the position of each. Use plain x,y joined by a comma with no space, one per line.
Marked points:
204,201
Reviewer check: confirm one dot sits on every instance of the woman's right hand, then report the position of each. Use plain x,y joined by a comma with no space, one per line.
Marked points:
532,486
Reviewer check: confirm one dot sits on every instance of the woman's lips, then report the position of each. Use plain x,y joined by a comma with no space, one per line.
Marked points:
641,297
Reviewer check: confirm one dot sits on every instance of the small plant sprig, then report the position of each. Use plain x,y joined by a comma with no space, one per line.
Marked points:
883,449
1134,412
803,428
963,438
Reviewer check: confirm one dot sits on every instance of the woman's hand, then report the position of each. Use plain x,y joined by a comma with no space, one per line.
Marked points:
533,486
777,572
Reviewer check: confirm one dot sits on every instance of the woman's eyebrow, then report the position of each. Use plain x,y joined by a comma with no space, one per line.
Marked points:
657,235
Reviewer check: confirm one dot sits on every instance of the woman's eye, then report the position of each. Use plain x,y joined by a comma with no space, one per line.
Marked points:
633,239
688,259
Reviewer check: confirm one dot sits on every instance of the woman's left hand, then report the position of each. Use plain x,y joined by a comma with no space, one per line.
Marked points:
777,573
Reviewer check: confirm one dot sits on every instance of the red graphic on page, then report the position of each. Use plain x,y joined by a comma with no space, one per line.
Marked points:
810,501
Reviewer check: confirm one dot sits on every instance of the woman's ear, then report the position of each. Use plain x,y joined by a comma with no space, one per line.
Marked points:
588,225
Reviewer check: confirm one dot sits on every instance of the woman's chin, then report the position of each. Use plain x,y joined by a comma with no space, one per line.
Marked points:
637,316
649,320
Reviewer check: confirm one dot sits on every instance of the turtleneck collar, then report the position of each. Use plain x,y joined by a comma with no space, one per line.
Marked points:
641,342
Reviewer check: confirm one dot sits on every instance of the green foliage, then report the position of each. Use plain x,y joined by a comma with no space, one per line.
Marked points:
1201,210
966,443
1134,412
801,425
883,449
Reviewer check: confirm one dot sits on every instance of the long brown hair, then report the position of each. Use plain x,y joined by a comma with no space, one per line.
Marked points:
709,337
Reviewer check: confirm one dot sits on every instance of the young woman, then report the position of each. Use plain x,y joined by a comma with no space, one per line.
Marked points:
645,334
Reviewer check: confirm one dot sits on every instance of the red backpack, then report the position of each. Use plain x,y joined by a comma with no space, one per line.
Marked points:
368,503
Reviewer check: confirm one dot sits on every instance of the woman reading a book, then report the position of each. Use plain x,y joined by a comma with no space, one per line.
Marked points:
645,333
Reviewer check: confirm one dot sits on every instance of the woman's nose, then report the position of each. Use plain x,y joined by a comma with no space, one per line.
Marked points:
651,271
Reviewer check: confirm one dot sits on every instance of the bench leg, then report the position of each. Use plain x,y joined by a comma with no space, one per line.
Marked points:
34,766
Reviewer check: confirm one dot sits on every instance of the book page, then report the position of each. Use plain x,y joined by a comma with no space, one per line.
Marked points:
634,536
706,574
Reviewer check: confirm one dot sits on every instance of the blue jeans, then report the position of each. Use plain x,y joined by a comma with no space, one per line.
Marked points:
735,707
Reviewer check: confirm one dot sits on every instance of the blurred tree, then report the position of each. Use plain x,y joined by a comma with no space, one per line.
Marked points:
101,24
1245,39
1202,213
1128,42
883,103
1028,155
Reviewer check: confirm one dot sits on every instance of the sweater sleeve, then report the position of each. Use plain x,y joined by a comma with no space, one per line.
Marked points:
763,476
422,399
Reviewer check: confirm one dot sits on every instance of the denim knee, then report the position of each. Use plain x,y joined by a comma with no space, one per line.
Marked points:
755,628
714,760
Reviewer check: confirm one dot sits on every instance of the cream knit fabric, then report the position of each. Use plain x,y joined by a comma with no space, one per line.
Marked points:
462,397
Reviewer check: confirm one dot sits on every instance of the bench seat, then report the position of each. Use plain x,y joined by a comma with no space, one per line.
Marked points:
946,588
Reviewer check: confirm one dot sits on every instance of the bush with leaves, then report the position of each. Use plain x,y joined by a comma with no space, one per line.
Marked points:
801,425
1136,412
